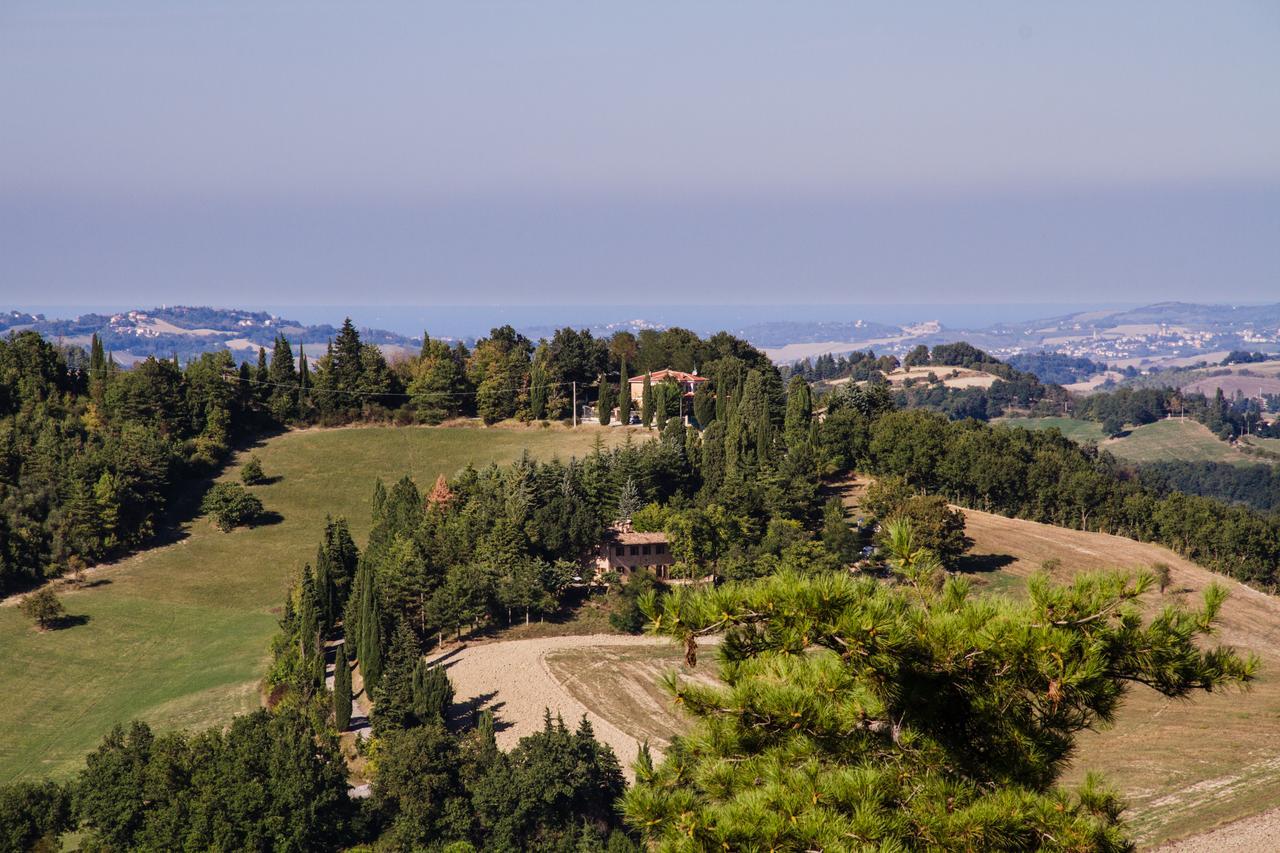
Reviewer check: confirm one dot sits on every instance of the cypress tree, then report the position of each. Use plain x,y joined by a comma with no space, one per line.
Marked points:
370,634
432,693
646,403
538,382
799,412
604,405
341,689
304,381
624,395
97,369
704,405
325,609
263,375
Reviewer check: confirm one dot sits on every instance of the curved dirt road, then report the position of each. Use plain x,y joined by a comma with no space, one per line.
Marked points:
512,678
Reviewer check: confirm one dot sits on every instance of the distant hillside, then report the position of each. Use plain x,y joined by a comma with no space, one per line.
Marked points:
185,331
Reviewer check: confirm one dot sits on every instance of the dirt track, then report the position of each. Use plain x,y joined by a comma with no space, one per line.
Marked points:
512,679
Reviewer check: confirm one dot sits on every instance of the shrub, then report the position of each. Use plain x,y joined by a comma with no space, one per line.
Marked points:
251,474
43,607
231,505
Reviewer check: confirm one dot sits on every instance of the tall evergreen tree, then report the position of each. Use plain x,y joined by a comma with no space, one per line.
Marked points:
304,383
799,412
704,405
370,634
604,405
262,379
539,381
341,689
624,395
284,381
646,402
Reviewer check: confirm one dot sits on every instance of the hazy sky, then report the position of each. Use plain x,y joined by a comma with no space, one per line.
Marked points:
471,152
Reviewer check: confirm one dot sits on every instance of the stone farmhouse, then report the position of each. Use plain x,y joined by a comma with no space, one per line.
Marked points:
624,551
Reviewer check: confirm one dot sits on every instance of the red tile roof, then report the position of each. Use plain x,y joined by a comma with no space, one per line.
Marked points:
677,375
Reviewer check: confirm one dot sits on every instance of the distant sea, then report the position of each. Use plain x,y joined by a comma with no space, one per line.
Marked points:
467,321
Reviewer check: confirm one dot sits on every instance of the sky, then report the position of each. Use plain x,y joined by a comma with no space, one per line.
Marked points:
485,153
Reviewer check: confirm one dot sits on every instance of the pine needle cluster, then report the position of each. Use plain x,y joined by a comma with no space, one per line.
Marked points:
860,715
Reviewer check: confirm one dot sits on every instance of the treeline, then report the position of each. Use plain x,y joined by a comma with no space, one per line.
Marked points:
1226,417
505,375
504,543
856,366
274,780
1257,486
1056,367
89,453
1045,477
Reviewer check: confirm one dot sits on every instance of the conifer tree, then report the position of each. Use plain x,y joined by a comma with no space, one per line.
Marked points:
304,383
909,718
646,403
539,381
97,369
284,380
432,693
624,395
370,634
341,689
262,376
604,405
799,412
704,405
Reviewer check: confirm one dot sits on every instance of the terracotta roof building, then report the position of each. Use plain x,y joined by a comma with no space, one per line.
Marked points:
623,551
687,382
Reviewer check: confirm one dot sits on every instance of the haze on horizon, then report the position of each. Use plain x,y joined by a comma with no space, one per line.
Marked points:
490,153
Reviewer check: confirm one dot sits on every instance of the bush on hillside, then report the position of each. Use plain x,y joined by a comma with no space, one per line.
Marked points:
230,505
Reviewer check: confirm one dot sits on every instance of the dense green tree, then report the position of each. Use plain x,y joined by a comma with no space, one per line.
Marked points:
341,688
704,405
624,395
284,382
799,412
33,816
604,404
230,505
910,719
646,402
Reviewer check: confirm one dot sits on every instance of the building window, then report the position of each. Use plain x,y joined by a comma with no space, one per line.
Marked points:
644,549
635,550
619,551
660,548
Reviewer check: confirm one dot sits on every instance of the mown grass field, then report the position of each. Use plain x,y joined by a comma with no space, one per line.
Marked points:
1161,441
1173,439
1081,432
178,635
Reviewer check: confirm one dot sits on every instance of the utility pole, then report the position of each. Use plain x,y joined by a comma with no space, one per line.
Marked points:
575,404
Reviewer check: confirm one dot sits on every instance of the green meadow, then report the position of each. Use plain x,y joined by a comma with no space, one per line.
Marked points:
178,635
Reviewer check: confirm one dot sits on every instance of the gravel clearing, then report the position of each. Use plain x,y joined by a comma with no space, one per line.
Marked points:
512,679
1250,835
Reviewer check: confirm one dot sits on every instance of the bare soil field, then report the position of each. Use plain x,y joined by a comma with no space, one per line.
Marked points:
964,377
609,678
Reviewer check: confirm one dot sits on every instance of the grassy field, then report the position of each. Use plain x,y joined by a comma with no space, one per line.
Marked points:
1161,441
1081,432
178,635
1172,439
